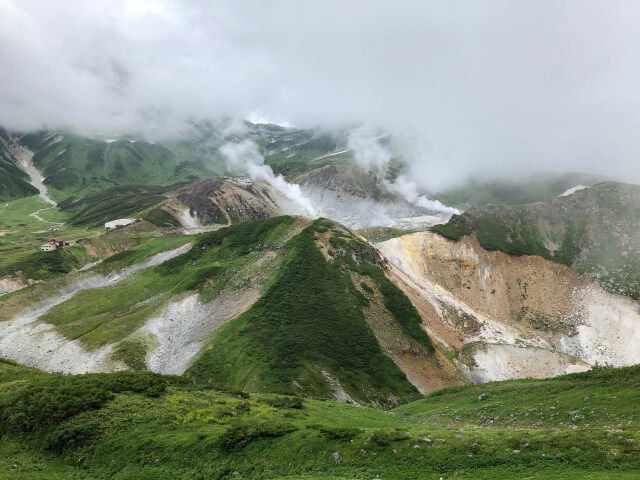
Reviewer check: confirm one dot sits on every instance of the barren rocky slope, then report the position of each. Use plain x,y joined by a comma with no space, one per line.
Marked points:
512,316
223,201
14,182
354,197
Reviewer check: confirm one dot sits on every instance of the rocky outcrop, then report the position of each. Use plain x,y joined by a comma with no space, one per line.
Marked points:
426,371
530,316
223,201
179,331
8,285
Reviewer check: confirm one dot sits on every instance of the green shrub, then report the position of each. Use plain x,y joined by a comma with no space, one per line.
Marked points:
118,257
70,435
285,402
161,217
382,437
42,265
366,287
340,433
46,401
450,231
239,435
201,276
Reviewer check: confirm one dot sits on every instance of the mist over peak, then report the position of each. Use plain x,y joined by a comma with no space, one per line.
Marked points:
494,87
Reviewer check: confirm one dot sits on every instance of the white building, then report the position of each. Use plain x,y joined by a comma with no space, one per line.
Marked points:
242,180
48,247
121,222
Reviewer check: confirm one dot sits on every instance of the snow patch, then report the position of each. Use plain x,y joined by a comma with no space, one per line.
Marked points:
52,139
572,190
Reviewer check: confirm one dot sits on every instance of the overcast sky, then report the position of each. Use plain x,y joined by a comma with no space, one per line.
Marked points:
484,84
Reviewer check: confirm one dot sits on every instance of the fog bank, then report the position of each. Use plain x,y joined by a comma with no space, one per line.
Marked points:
491,86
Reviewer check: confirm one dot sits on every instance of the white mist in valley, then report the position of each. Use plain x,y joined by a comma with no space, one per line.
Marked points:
375,157
245,157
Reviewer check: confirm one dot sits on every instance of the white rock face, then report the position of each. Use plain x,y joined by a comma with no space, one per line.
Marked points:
188,221
37,345
604,328
184,324
25,157
496,362
609,333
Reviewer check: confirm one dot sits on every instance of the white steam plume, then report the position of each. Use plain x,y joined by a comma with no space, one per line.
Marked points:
409,191
245,157
369,153
373,156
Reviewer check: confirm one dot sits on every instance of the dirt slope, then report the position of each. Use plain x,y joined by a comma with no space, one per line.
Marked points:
491,306
222,201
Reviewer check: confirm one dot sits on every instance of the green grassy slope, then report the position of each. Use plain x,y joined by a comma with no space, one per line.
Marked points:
21,237
289,151
309,324
306,334
87,170
594,231
40,265
107,315
116,202
75,166
144,426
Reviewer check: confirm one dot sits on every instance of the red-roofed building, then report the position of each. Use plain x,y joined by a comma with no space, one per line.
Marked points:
58,242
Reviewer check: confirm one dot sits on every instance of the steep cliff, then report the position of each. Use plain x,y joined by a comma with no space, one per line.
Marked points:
512,316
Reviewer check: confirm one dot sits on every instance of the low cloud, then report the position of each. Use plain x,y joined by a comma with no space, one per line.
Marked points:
478,87
374,156
369,153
